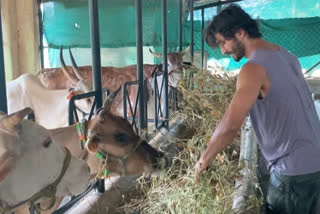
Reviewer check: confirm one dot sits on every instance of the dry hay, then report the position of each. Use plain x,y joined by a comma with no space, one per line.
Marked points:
175,191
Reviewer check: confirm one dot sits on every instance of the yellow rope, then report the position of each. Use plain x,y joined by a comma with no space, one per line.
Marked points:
102,168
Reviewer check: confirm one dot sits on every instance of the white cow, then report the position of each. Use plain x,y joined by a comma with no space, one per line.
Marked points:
30,160
50,106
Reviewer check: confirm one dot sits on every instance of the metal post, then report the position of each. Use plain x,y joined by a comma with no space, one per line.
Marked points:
156,92
180,25
124,100
96,62
95,49
191,31
165,63
140,74
310,69
40,34
214,4
202,39
3,94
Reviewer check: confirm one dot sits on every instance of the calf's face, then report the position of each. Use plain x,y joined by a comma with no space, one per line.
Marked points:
115,137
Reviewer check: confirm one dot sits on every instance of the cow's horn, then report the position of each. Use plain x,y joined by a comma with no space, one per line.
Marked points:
158,55
187,50
10,122
108,103
65,70
74,66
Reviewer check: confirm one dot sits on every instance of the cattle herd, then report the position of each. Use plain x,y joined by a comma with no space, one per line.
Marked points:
39,161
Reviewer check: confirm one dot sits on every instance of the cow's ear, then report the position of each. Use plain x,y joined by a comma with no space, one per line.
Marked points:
11,123
101,115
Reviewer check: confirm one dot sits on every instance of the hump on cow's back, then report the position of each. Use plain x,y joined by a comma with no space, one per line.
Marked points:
29,79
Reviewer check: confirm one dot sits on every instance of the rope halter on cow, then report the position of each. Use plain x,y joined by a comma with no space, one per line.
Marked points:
103,156
82,132
47,192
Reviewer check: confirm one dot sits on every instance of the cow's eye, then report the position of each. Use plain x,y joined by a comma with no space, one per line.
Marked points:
121,137
47,143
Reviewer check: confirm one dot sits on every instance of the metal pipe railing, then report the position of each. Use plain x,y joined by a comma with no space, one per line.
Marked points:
245,186
180,30
125,98
140,75
165,62
3,93
40,34
95,50
202,38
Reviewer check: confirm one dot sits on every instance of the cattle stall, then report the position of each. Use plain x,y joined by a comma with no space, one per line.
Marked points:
189,31
164,57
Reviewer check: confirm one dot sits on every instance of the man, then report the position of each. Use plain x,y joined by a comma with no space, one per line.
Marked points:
271,88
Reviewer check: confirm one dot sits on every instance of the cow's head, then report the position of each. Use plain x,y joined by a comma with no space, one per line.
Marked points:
81,85
115,137
175,65
31,160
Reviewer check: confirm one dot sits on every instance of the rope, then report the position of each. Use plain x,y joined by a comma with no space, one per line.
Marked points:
103,172
103,156
82,132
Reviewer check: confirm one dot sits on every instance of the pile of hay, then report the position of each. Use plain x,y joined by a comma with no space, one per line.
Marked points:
175,191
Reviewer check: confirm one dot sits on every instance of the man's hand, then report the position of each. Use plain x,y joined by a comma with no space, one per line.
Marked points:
200,166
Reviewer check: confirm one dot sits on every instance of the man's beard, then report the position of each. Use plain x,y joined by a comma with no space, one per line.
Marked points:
238,50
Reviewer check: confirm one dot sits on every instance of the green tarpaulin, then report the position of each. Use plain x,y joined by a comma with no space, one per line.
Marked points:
290,23
299,35
67,23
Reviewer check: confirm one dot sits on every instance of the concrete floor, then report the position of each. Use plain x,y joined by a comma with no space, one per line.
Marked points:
107,202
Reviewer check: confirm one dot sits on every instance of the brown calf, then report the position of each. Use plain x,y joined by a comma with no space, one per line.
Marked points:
115,137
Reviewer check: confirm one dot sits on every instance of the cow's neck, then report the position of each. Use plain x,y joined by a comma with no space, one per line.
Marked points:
68,137
52,111
16,188
149,69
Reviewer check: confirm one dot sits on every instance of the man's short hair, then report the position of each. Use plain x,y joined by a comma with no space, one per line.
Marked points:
228,22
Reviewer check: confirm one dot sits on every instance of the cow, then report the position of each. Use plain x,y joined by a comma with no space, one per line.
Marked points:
119,135
113,77
50,106
33,165
114,131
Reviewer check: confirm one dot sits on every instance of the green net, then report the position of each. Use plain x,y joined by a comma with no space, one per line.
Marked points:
300,36
272,9
67,23
292,24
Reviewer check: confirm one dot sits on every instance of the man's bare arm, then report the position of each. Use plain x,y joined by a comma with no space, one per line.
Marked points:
251,79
